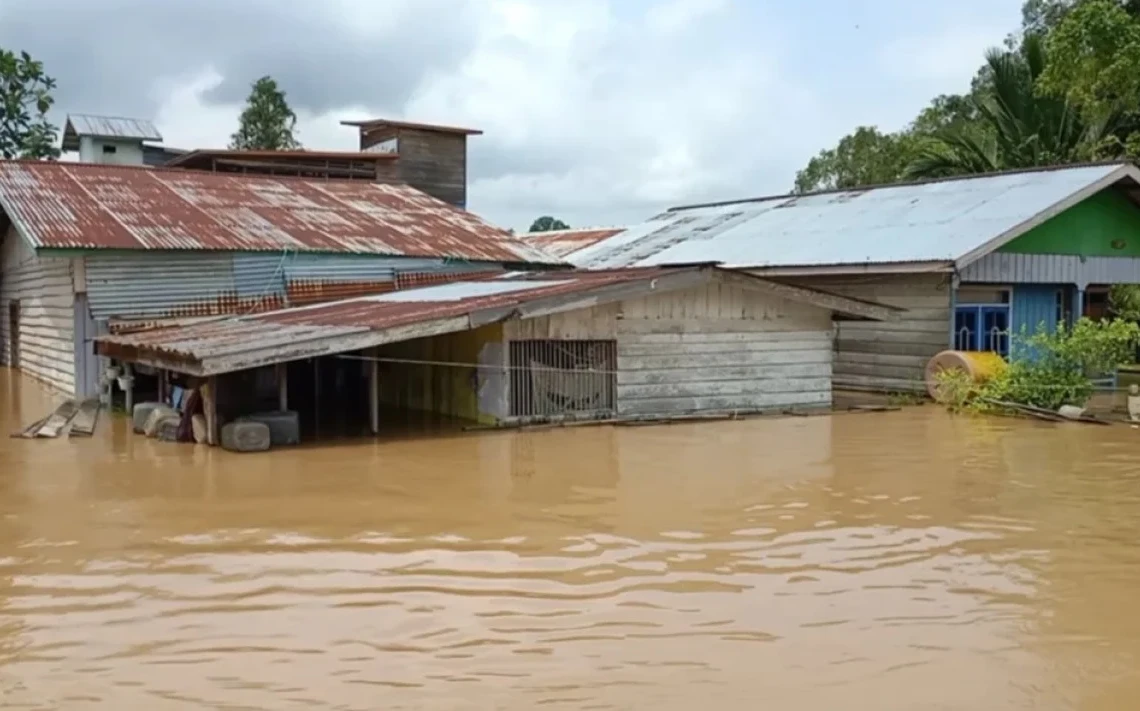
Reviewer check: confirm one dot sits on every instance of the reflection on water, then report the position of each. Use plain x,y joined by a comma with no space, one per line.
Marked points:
882,561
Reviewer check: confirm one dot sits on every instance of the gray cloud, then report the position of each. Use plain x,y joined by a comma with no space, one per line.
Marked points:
109,56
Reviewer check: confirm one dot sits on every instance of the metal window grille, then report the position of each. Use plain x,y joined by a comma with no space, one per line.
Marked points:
563,378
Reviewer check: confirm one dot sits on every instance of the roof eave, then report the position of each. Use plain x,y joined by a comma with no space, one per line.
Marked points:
1122,172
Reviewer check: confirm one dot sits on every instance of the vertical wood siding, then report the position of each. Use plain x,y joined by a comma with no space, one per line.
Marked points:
43,287
710,348
890,356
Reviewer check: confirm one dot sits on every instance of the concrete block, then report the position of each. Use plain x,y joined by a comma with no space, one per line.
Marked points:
141,413
284,426
245,436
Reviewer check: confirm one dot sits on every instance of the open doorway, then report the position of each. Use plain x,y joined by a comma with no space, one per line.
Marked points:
14,333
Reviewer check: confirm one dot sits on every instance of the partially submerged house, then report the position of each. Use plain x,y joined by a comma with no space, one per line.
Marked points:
522,346
96,248
973,261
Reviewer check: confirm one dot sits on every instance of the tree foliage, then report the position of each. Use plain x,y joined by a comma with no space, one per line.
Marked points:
25,99
546,223
1014,125
865,157
267,123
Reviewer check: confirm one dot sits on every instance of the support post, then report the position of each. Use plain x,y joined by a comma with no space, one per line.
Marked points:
129,389
317,396
164,387
954,282
210,407
282,387
1078,304
374,392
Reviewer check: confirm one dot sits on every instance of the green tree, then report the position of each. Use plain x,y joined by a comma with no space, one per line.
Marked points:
25,99
546,223
1017,126
1096,52
267,123
865,157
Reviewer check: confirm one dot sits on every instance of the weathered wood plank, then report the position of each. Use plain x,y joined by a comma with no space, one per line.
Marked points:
86,419
889,372
940,339
732,402
713,360
877,358
704,372
719,388
626,348
58,420
890,347
829,301
906,325
706,336
877,383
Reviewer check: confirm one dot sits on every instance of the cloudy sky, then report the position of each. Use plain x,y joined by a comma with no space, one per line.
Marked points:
596,111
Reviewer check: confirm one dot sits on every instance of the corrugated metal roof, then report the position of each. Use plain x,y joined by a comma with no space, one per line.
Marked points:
928,222
563,242
293,332
370,124
91,206
106,127
232,344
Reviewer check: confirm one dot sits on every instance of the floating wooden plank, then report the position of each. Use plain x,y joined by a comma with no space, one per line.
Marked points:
30,431
86,419
58,420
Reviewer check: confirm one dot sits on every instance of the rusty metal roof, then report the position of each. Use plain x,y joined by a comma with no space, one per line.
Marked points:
106,127
205,154
224,345
58,205
231,344
563,242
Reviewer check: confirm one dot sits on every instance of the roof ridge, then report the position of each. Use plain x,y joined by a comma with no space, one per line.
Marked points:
906,183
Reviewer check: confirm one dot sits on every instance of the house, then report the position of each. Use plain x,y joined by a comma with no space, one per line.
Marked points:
523,346
974,261
91,248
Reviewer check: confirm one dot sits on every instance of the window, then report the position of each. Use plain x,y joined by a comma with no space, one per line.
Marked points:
557,378
109,150
982,319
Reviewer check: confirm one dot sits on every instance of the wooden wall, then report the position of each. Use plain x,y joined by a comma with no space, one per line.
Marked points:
45,293
432,161
710,348
889,356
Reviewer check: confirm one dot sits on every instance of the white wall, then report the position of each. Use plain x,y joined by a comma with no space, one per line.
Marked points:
890,356
125,152
46,325
710,348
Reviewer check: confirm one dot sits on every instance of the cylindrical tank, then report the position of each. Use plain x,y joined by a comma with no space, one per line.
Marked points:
980,365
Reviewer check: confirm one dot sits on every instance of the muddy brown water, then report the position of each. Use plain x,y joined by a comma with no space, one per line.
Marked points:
903,560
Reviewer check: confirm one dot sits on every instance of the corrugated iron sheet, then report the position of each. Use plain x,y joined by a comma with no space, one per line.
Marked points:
1015,268
563,242
92,206
113,127
936,221
297,328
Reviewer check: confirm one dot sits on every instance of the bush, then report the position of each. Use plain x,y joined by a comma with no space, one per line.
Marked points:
1058,372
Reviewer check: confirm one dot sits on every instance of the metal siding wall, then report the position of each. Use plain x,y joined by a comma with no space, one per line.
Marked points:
259,274
46,336
1005,268
155,285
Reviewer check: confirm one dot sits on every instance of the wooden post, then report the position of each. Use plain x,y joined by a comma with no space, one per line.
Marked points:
210,407
163,387
374,392
129,391
282,386
317,396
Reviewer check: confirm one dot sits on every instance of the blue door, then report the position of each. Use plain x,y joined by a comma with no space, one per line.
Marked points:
982,328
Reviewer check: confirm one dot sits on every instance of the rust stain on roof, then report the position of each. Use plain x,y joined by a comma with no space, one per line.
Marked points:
92,206
206,154
559,243
294,330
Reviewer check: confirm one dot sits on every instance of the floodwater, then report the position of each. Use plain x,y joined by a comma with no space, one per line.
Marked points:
904,560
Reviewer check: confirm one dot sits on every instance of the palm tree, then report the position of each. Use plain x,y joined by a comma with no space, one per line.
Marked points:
1017,127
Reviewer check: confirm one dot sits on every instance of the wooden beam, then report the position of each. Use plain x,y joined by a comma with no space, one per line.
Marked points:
210,408
814,297
282,373
374,391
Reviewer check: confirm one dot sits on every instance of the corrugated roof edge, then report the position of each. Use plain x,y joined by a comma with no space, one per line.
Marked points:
904,184
443,128
188,156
